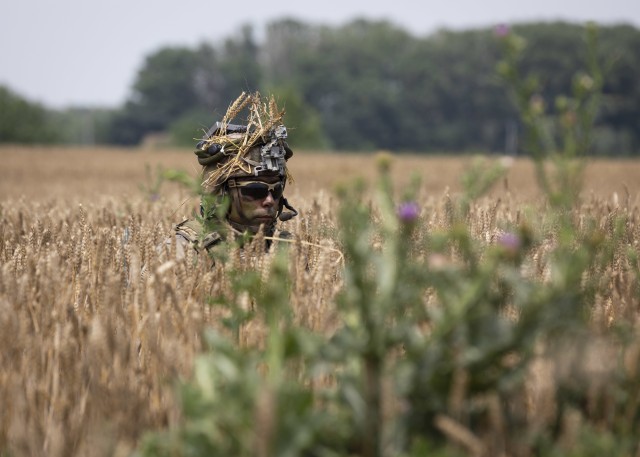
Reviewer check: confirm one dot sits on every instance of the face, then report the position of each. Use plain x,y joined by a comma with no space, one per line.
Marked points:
252,205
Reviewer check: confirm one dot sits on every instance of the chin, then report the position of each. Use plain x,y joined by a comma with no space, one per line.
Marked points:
266,222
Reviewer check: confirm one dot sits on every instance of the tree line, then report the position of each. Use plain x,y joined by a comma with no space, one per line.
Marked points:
366,85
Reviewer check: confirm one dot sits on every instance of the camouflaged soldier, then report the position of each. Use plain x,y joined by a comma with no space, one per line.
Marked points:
246,167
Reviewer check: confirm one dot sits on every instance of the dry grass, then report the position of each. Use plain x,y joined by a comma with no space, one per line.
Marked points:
98,316
84,175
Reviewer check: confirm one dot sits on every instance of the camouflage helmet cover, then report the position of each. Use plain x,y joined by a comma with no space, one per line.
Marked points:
257,148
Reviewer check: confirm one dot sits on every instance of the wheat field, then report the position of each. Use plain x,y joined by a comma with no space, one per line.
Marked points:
85,174
99,317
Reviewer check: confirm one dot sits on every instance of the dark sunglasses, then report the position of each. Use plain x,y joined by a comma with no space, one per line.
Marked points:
258,190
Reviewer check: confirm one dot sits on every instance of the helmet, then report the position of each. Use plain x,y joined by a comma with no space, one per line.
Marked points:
229,155
252,149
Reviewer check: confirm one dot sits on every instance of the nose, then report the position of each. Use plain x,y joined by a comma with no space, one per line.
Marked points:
268,200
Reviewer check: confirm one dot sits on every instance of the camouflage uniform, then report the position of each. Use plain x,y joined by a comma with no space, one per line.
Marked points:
192,231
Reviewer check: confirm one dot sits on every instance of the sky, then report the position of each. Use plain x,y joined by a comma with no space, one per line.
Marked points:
87,53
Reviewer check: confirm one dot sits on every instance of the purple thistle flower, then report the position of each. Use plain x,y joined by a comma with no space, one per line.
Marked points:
501,30
408,212
510,241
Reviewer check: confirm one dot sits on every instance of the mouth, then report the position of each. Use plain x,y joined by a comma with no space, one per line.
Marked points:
263,219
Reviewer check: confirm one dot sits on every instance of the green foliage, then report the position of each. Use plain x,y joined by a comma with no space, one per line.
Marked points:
176,85
240,66
163,91
348,76
590,442
22,121
441,92
303,122
368,85
452,99
564,133
187,130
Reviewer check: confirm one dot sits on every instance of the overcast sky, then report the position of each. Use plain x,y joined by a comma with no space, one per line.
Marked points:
86,52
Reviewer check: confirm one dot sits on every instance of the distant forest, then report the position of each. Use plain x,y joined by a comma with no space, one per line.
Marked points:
363,86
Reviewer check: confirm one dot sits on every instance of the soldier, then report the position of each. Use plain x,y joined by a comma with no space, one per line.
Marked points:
244,177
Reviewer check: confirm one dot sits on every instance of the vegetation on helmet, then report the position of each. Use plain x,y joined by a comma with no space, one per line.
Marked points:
249,149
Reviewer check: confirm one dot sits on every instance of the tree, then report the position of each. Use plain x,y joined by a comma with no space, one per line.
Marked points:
165,89
618,130
239,66
371,85
175,84
349,75
22,121
303,122
453,99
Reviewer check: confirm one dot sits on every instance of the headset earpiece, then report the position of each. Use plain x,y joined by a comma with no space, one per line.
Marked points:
289,214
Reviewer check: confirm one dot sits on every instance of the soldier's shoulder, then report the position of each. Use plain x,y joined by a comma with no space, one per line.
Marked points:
193,231
189,229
